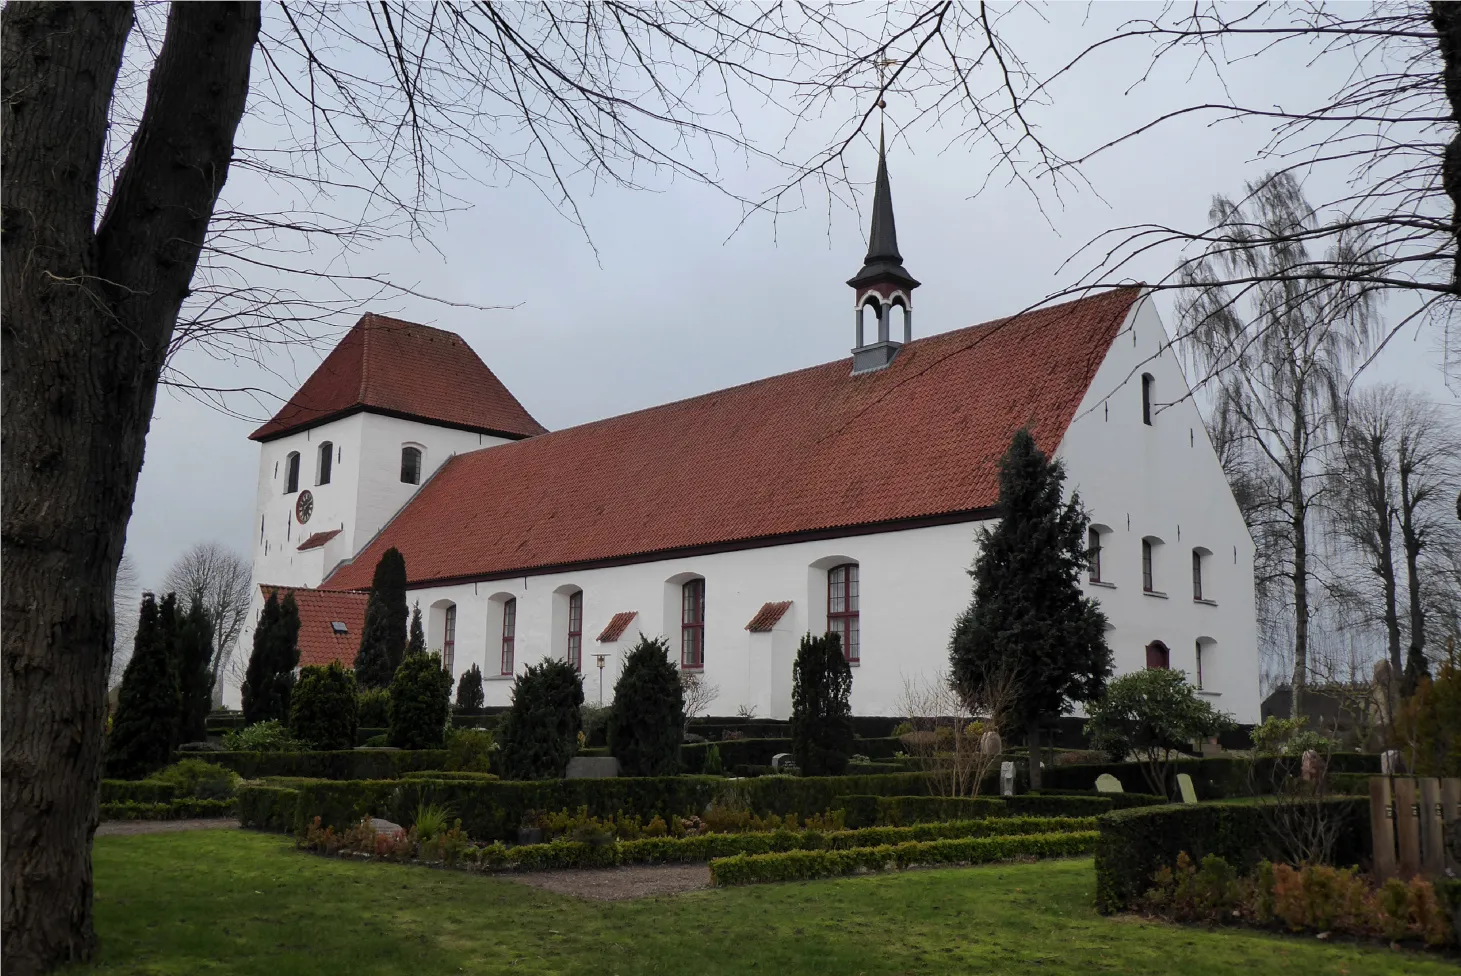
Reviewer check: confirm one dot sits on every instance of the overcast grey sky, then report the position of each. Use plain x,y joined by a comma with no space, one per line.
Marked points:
672,303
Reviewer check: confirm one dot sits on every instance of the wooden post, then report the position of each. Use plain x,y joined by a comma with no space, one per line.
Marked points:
1432,846
1382,828
1407,826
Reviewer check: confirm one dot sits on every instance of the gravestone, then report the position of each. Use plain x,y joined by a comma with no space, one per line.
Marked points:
990,744
1312,766
385,826
592,767
783,760
1106,783
1006,779
1184,783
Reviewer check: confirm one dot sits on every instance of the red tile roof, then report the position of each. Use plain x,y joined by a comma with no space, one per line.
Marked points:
814,450
617,625
318,610
767,616
406,370
318,539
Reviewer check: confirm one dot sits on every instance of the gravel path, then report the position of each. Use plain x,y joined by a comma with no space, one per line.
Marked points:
126,828
616,884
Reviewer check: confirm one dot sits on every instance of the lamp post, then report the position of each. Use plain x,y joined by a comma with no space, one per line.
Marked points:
600,658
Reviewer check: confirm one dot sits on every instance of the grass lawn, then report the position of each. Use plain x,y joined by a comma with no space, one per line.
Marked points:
220,901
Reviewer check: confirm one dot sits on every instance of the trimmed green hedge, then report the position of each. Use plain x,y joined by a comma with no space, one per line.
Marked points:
902,811
1119,801
343,764
1217,778
1045,805
268,807
137,791
805,865
758,752
185,809
1136,843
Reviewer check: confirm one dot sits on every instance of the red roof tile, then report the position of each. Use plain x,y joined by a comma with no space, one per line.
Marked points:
617,625
318,539
768,616
814,450
408,370
318,611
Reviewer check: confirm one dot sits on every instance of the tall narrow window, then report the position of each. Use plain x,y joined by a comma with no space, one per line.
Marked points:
842,603
449,640
411,465
692,624
1093,554
1196,575
1157,655
327,463
291,473
1146,566
575,630
1199,665
509,635
1146,398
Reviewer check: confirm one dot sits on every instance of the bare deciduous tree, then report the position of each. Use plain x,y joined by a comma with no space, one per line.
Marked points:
220,579
955,737
699,693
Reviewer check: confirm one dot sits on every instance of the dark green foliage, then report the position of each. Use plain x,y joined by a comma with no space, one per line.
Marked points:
647,719
821,706
150,701
1215,778
182,809
540,734
383,638
137,791
373,708
342,764
198,779
758,752
1028,616
267,808
470,698
470,750
866,810
1135,843
420,703
195,672
269,680
323,708
416,643
1153,712
1416,668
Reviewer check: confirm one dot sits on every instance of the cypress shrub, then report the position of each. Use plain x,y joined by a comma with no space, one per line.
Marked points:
383,638
821,707
420,703
269,680
647,719
323,710
150,700
540,734
373,709
195,672
470,698
416,643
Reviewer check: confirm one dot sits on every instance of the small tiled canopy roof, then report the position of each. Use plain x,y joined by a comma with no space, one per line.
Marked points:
617,625
319,611
406,370
817,450
768,616
317,539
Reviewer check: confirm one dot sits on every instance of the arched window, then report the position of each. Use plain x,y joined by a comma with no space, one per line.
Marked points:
291,473
692,624
411,465
1197,561
1093,554
1147,577
575,629
1157,655
449,640
842,612
1200,643
509,635
1147,383
326,463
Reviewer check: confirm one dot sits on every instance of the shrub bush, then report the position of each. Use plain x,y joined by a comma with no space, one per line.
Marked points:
383,638
647,719
806,865
821,707
470,697
323,710
470,750
270,736
1136,843
345,764
1154,713
1217,778
269,679
373,708
902,811
149,704
198,779
268,808
420,703
540,733
137,791
181,809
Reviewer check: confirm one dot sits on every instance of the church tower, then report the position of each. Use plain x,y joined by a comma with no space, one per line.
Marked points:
882,285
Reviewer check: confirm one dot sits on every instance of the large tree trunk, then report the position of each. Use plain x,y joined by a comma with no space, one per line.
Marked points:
88,317
1412,539
1032,740
1446,17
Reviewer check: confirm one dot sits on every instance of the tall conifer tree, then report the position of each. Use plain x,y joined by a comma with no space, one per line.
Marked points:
416,643
383,639
821,706
1028,612
269,680
149,702
195,671
647,719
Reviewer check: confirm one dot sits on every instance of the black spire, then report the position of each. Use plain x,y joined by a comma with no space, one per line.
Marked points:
883,259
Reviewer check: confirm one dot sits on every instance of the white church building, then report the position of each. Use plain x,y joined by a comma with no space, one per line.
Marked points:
843,497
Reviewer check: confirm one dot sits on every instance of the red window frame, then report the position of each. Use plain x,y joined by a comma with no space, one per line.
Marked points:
575,629
1158,656
842,609
449,639
692,624
509,635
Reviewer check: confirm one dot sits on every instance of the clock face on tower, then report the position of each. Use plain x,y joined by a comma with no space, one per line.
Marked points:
304,507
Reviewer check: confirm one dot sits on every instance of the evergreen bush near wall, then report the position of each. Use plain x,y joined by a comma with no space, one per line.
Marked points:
150,699
195,672
269,680
373,706
821,707
647,719
470,698
323,710
383,638
540,734
420,703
